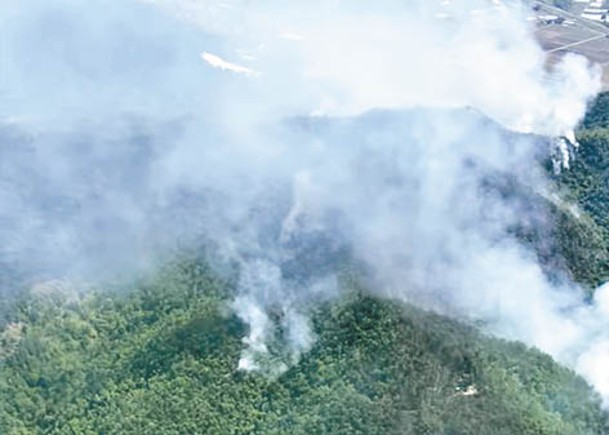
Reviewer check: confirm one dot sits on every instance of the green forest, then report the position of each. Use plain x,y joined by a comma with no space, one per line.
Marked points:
161,356
162,359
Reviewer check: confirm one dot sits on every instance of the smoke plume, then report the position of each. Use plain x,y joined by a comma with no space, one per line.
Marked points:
292,138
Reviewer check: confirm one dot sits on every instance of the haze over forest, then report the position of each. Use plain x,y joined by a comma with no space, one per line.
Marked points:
316,217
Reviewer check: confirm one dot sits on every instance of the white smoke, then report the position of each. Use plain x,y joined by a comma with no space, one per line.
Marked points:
336,127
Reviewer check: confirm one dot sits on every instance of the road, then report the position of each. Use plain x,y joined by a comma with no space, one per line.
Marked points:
589,24
575,44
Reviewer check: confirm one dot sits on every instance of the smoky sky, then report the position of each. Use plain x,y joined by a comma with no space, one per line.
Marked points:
290,139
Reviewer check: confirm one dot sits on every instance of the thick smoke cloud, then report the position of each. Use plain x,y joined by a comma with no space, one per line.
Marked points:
291,139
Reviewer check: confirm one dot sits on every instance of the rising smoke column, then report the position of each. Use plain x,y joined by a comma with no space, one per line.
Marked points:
287,136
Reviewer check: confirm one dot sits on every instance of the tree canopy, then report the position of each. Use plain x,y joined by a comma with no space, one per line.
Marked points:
162,359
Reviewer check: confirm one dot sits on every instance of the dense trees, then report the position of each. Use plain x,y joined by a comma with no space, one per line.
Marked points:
162,359
582,229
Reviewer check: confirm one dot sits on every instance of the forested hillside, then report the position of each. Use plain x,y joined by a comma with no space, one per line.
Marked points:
162,359
161,356
583,221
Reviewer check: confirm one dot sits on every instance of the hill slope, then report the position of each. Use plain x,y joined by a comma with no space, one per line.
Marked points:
162,360
162,357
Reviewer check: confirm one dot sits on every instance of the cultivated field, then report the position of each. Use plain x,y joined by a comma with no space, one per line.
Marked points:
560,32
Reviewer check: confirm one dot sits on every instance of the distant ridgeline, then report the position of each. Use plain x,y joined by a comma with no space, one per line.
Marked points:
162,357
